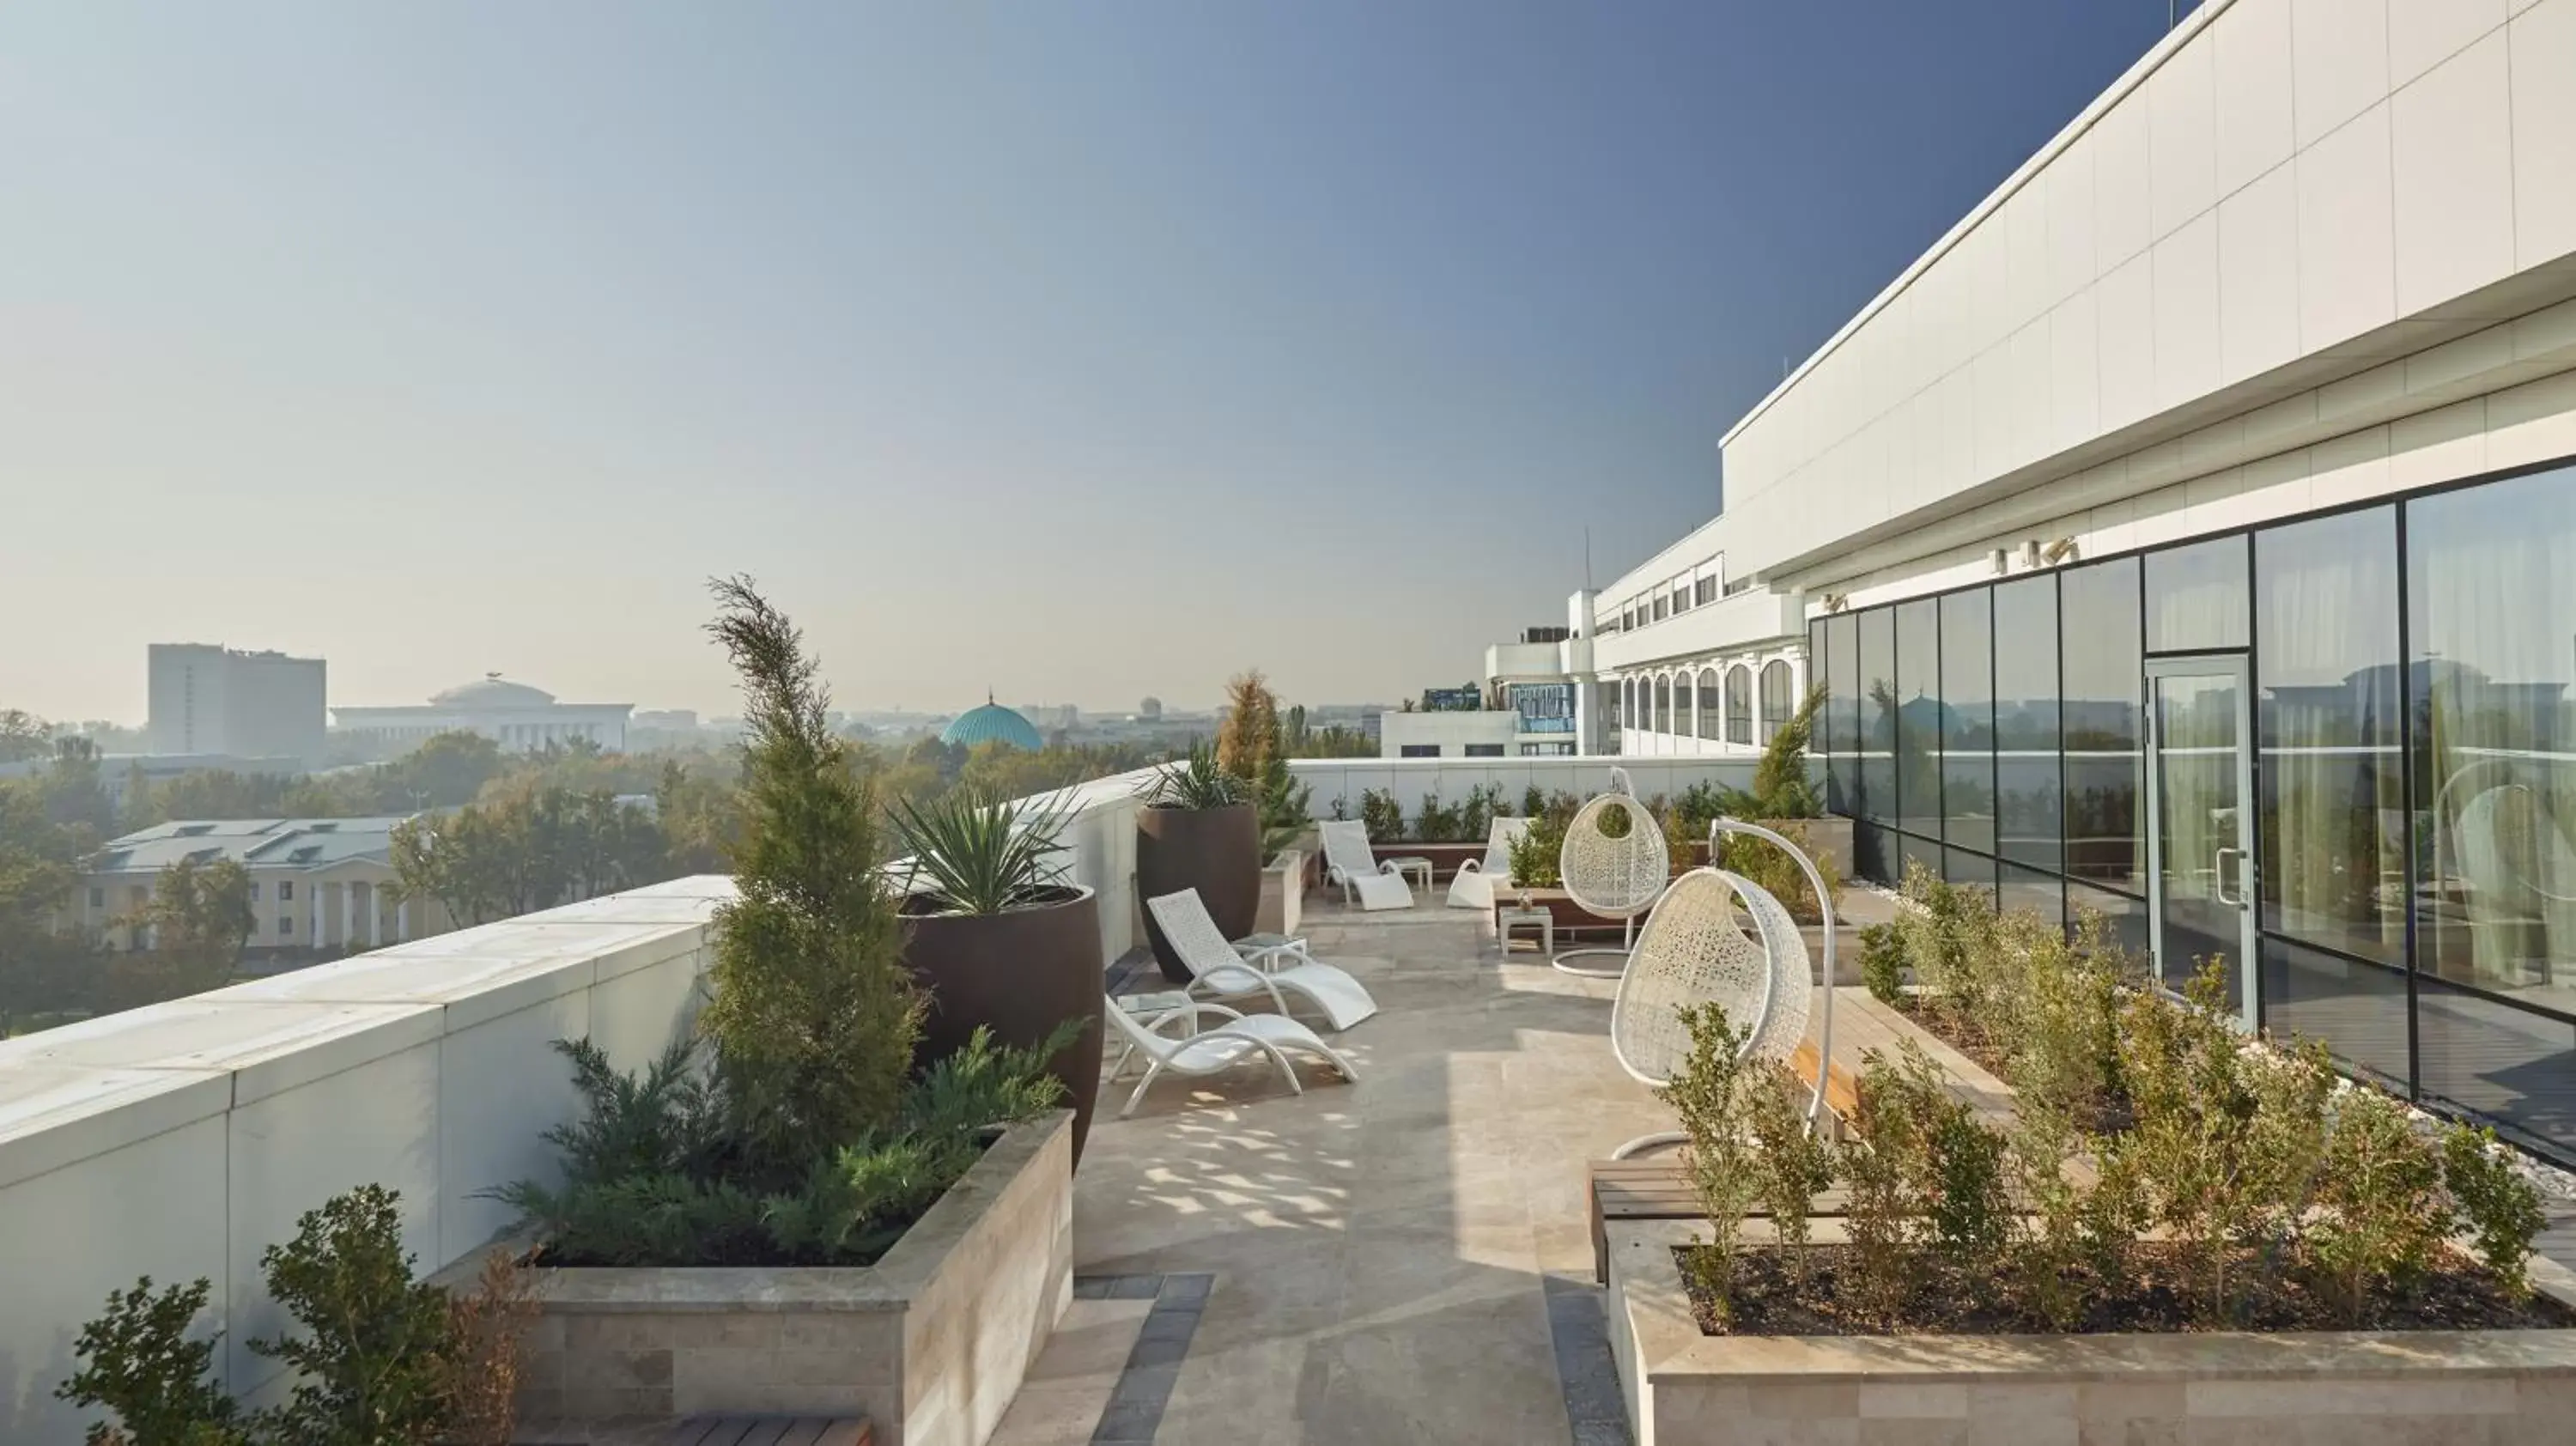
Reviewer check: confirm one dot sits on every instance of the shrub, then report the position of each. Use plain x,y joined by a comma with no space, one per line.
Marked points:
1437,823
1533,802
1712,1094
1781,786
1791,1162
814,1016
1537,854
1766,864
2495,1205
1882,963
487,1331
1476,816
370,1358
2379,1214
1196,781
1383,816
137,1361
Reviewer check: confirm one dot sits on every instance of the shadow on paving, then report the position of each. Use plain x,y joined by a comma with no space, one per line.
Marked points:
1404,1259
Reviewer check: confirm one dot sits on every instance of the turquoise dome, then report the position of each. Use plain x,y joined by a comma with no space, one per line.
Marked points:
992,723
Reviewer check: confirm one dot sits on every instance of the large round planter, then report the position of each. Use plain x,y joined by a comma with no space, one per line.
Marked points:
1216,851
1020,974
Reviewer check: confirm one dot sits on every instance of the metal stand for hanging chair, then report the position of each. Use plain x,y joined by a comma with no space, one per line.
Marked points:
1695,951
1614,878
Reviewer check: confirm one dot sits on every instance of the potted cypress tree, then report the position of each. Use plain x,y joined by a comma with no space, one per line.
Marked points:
1198,830
998,940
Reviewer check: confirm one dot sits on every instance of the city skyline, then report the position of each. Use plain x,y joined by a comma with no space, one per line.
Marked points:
1041,351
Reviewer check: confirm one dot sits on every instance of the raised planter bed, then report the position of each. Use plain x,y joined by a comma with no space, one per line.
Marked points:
1686,1388
930,1343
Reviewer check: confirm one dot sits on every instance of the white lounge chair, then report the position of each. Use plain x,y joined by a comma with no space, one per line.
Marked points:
1218,971
1351,862
1474,886
1201,1052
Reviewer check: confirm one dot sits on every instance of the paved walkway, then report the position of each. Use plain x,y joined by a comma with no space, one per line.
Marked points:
1404,1260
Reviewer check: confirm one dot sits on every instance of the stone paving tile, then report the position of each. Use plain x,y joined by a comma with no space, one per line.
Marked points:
1376,1249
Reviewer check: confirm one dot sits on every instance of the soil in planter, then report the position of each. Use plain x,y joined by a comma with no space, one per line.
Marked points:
2456,1294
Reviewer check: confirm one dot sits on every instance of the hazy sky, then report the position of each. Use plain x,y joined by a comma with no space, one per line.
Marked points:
1081,350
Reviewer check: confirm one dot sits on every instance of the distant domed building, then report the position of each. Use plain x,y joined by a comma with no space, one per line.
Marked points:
992,723
519,718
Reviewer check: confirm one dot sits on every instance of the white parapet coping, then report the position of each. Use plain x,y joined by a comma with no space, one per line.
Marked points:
182,1139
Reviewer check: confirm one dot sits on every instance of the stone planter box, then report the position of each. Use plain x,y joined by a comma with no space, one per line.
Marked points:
930,1343
2355,1388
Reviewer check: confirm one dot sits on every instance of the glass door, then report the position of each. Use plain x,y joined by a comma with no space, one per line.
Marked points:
2200,834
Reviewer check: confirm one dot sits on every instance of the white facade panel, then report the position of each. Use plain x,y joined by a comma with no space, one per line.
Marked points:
2451,142
2542,44
2347,236
2423,34
2258,276
2339,62
2182,139
2255,129
2186,305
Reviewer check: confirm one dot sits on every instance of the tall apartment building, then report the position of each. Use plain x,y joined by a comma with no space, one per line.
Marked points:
212,699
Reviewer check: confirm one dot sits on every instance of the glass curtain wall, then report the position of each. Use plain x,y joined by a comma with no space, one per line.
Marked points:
2414,808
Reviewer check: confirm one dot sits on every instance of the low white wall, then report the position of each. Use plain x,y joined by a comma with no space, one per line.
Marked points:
1412,778
183,1139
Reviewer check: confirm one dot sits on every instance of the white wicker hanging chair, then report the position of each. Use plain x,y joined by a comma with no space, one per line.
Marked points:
1696,950
1615,878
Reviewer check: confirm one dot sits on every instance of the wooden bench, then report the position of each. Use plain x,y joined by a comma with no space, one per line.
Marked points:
1655,1187
770,1431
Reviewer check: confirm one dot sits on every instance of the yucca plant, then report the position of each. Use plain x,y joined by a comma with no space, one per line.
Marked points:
1199,782
976,854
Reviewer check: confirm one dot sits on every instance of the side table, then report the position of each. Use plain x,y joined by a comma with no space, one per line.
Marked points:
1506,920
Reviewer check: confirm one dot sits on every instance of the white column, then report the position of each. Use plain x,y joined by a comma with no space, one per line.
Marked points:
348,914
313,911
375,916
402,921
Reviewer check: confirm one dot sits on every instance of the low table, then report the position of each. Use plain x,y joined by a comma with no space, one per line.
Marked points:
1506,920
1413,867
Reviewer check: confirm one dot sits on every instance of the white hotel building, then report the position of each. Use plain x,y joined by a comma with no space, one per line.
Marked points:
2190,535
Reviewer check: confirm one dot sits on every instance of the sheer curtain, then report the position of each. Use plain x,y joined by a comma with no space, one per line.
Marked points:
2492,589
2333,790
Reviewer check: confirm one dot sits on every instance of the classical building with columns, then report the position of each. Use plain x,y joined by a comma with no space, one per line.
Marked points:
519,718
318,885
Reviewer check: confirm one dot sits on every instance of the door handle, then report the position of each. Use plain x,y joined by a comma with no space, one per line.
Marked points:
2228,862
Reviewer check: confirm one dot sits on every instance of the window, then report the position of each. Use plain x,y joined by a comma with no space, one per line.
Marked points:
1704,591
1417,750
1968,719
1877,725
1659,607
2104,769
1663,705
2196,596
286,891
1842,713
1918,717
1739,704
2027,822
1776,702
2490,592
1711,723
98,898
285,925
254,891
1681,597
2328,774
1687,705
1484,750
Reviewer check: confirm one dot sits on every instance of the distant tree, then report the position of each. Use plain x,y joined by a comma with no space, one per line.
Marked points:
45,968
190,934
445,770
531,847
700,818
73,797
23,735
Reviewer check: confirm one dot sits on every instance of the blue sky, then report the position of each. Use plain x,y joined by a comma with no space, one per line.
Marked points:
1084,351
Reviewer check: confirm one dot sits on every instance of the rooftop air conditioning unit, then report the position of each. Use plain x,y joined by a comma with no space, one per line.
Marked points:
2001,560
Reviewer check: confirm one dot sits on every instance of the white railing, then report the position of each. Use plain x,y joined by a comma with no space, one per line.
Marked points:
1411,779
